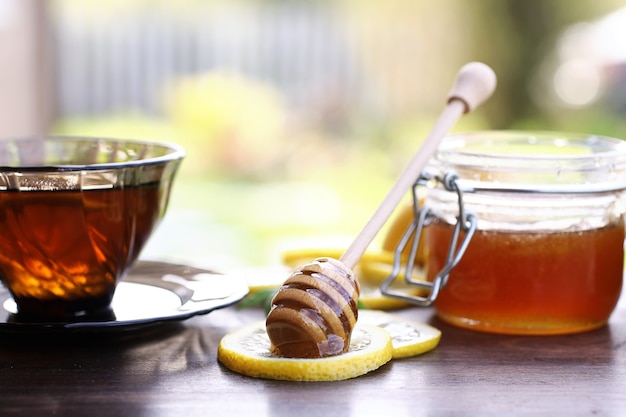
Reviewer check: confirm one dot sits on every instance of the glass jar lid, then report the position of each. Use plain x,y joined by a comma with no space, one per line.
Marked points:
533,161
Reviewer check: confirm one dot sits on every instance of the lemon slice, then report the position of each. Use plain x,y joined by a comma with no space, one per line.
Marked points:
263,278
409,337
297,257
372,269
246,351
371,276
400,221
372,299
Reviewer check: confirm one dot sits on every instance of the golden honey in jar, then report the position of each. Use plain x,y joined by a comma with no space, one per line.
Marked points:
547,254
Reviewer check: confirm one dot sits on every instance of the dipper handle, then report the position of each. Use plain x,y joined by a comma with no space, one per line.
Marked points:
475,83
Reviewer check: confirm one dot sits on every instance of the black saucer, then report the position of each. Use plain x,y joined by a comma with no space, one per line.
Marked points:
152,293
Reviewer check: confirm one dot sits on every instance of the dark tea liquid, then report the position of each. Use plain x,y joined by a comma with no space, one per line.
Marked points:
530,282
63,252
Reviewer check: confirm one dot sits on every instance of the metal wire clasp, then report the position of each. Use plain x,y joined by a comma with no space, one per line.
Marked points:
422,216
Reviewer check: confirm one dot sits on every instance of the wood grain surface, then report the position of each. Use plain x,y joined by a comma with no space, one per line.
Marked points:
172,370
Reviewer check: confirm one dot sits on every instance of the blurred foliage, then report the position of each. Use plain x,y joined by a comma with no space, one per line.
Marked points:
237,125
516,41
274,177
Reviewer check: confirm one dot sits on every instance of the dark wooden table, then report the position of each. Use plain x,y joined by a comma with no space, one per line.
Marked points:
172,370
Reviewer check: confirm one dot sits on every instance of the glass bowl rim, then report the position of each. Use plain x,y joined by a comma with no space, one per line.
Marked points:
175,152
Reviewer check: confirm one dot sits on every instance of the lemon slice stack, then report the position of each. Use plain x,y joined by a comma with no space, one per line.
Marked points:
377,338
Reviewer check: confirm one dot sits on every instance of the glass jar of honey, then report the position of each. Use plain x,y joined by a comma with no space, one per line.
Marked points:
546,253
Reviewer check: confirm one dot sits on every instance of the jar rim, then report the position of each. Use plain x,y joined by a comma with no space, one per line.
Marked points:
533,161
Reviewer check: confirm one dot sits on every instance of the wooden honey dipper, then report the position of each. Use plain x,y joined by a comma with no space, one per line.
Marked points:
315,310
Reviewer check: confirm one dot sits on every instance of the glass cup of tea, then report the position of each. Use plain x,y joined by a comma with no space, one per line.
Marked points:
74,215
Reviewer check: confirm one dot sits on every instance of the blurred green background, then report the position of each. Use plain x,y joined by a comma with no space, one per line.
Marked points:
298,115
